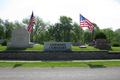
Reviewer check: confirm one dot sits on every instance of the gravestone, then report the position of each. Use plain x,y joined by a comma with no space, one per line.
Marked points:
1,41
92,44
20,39
102,44
57,46
77,44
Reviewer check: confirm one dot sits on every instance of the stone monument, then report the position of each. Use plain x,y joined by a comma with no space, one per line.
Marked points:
57,46
92,43
77,44
20,39
102,44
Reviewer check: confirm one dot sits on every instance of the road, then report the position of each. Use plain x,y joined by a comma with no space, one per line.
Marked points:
59,73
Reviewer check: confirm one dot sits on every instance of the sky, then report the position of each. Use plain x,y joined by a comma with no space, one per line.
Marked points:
105,13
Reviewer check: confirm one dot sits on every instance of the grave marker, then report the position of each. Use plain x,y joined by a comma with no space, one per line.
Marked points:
20,39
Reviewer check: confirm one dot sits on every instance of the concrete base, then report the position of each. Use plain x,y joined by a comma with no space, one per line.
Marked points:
102,47
19,45
82,46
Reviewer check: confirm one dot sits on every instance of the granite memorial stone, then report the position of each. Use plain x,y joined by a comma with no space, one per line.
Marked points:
102,43
77,44
20,39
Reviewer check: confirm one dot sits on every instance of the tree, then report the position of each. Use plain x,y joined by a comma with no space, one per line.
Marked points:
18,25
8,29
96,29
87,36
26,22
117,35
40,28
50,34
66,27
58,32
100,35
109,33
1,29
76,32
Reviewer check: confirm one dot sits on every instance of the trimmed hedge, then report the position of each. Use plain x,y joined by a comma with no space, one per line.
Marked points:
100,35
115,44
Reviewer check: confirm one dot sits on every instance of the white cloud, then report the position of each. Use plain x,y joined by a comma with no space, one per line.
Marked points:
105,13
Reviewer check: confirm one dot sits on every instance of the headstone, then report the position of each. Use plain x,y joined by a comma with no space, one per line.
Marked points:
57,46
77,44
1,41
92,43
20,39
102,43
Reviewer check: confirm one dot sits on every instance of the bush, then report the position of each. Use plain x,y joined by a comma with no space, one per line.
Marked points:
100,35
115,44
4,42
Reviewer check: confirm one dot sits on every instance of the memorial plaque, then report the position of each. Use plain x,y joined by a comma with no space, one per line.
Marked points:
57,46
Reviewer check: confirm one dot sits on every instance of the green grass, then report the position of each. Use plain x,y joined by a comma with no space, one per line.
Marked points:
36,47
74,48
90,48
60,64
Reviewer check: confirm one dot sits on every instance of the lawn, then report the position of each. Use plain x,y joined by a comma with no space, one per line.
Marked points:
60,64
74,48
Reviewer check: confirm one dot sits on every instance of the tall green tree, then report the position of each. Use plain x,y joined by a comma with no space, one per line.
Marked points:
40,29
87,36
109,33
96,30
66,27
58,32
76,32
1,28
50,34
117,35
8,27
17,24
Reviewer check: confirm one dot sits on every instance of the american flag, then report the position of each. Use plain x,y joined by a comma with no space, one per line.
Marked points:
86,23
32,21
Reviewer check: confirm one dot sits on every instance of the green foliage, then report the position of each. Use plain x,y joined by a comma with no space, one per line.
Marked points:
51,41
76,32
66,28
109,34
100,35
4,42
117,35
63,31
115,44
96,29
87,36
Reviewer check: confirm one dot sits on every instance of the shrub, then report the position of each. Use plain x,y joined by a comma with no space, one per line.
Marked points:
100,35
115,44
4,42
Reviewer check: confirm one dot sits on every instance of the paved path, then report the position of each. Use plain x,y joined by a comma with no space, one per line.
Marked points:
59,73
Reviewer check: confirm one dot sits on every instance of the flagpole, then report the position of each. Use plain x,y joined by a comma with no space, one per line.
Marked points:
33,37
80,33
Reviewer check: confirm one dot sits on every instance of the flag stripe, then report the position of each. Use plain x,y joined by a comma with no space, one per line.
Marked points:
86,23
32,21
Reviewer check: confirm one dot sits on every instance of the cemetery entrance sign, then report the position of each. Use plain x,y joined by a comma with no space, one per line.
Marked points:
57,46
